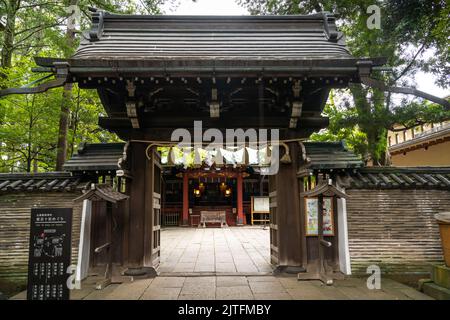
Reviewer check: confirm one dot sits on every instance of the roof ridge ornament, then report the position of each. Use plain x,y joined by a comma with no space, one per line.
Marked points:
331,34
365,70
97,24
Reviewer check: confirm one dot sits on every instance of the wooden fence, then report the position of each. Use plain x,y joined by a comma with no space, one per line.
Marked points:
171,218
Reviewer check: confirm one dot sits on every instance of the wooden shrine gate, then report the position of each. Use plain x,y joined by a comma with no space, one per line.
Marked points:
155,74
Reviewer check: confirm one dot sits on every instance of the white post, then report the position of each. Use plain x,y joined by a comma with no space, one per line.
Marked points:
344,253
84,245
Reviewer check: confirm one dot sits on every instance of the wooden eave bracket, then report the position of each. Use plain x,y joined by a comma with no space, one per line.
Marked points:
132,105
365,70
296,106
61,77
214,106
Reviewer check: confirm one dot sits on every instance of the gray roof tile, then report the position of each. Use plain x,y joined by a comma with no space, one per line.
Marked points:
165,37
41,182
396,177
96,157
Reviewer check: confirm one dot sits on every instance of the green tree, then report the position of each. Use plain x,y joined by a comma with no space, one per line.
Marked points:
368,112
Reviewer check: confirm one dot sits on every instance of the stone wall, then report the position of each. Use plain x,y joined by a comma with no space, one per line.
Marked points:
15,212
395,229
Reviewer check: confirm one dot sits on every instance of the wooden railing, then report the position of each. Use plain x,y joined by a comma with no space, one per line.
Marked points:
171,218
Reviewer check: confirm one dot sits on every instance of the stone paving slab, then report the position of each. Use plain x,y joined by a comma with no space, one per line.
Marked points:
101,294
231,281
266,287
234,293
130,291
168,282
161,294
272,296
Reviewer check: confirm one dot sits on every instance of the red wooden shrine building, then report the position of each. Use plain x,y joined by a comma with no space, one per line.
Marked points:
185,192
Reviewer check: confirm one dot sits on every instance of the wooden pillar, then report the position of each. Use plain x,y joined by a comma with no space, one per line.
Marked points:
288,214
185,220
240,205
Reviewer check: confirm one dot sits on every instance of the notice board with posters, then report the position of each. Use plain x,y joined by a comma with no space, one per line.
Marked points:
260,206
312,219
49,253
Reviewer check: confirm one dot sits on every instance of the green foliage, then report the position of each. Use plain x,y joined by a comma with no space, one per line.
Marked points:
424,24
29,124
351,134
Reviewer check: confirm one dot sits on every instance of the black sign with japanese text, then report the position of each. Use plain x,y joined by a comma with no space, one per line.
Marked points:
50,253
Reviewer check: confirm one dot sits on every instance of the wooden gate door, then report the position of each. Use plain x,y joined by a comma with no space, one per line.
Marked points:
273,227
152,244
286,242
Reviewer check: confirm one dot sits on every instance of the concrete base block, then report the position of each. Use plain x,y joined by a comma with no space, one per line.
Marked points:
440,275
435,291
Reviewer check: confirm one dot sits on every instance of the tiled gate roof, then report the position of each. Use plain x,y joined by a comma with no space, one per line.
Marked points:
165,37
49,181
100,157
330,155
396,178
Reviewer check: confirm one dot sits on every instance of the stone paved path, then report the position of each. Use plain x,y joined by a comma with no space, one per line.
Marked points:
243,288
237,258
243,250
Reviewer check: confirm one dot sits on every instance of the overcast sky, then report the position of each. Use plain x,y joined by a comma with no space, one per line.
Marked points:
209,7
425,82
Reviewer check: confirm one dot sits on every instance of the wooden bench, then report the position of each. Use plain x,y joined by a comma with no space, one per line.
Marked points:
213,217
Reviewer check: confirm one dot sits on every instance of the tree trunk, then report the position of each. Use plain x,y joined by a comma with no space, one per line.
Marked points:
8,33
63,127
65,106
35,166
